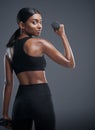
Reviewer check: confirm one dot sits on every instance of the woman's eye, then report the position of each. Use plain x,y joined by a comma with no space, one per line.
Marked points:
34,22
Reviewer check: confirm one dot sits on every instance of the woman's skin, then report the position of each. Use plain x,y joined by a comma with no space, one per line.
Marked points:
35,47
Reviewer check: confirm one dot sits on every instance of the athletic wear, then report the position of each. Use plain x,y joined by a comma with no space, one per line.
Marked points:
23,62
33,103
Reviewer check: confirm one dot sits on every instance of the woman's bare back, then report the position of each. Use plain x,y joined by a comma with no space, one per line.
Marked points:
32,77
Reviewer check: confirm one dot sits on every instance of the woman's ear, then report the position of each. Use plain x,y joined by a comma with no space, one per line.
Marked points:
21,25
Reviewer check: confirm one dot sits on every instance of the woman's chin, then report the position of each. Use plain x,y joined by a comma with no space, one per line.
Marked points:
37,34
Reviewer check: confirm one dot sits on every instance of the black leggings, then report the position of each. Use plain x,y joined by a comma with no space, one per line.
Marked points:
33,103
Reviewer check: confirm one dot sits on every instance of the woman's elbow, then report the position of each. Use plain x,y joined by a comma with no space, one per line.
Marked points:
8,84
70,64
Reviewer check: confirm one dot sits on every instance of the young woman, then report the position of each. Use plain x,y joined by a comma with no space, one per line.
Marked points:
25,56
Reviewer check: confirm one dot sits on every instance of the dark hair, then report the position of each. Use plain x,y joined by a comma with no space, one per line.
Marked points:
23,16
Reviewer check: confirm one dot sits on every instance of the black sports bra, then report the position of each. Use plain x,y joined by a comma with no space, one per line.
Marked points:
23,62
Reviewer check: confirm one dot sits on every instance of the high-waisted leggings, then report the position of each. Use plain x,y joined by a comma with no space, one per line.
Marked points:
33,103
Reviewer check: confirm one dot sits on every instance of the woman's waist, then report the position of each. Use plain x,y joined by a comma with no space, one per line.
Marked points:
32,82
27,78
33,91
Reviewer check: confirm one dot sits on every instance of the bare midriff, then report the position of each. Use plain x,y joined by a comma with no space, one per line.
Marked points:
31,77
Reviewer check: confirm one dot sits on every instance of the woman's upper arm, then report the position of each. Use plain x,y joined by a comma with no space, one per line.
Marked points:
8,70
54,54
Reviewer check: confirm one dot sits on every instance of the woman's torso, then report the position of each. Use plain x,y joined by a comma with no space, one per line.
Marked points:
28,61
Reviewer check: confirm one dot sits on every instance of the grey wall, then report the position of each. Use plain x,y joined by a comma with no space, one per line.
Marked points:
73,91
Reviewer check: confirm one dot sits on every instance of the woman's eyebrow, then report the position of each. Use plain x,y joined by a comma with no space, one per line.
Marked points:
37,19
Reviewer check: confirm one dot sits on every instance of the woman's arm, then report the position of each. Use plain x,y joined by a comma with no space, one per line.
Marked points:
67,59
7,86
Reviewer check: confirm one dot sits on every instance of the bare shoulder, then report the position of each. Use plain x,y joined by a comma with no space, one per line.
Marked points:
36,46
39,42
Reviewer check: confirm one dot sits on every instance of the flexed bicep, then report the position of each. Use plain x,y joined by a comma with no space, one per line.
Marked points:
54,54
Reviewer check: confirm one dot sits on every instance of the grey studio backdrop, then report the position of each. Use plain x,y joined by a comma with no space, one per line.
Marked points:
73,90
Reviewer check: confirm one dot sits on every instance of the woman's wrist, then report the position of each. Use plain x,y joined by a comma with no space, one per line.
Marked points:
63,36
5,116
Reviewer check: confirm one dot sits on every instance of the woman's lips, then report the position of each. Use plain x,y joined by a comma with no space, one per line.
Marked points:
38,31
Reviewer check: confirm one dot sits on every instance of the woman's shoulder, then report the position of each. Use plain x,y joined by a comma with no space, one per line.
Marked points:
9,53
38,40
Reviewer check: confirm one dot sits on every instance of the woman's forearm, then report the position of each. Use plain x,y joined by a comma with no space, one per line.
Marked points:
67,50
6,99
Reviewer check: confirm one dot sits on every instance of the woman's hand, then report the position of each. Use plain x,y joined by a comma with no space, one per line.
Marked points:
6,122
61,30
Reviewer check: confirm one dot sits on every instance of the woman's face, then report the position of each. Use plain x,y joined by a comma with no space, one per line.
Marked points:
33,26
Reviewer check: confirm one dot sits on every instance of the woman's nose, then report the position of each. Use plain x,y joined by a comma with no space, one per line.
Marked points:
40,26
